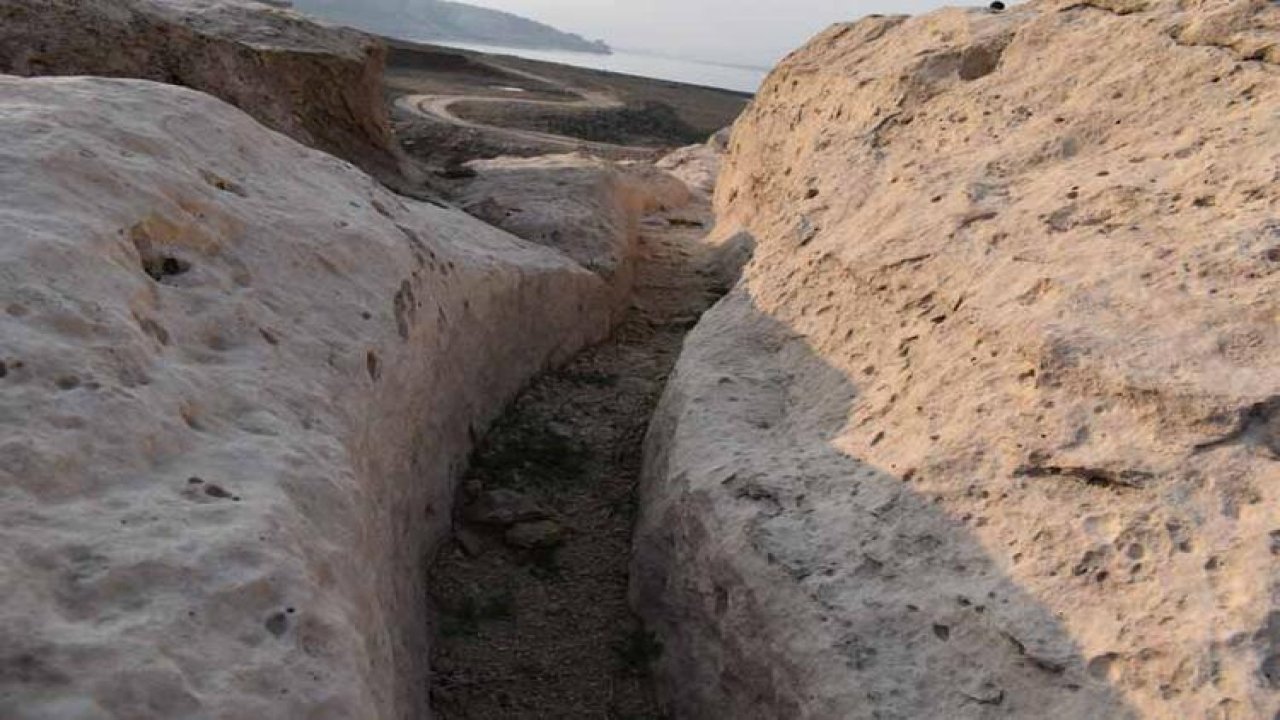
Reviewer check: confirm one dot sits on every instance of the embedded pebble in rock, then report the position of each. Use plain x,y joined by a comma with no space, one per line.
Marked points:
239,381
989,427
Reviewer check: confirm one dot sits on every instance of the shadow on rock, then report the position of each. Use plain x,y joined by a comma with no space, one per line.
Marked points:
787,578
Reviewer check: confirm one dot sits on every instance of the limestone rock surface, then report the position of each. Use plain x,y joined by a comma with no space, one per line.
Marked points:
990,427
237,379
320,84
586,207
698,166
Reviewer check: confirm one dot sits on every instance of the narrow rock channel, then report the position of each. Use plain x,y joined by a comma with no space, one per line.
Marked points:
530,598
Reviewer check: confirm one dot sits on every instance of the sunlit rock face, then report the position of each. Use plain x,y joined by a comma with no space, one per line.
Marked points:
990,427
237,380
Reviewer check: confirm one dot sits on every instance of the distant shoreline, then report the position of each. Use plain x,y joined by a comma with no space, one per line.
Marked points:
725,77
700,61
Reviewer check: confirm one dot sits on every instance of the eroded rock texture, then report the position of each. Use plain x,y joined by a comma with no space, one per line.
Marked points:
319,84
698,166
992,425
237,379
586,207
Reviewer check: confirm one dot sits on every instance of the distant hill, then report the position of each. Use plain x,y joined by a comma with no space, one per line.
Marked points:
428,20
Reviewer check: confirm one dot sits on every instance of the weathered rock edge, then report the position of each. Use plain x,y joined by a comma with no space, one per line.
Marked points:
236,381
586,207
990,428
317,83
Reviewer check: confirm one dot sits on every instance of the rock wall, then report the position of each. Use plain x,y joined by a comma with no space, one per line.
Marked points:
237,378
320,85
991,425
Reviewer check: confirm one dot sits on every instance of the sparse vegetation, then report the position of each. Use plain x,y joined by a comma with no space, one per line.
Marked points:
570,448
545,565
638,651
465,619
523,452
589,377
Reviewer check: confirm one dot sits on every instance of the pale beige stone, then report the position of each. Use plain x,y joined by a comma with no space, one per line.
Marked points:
698,166
989,428
237,381
586,207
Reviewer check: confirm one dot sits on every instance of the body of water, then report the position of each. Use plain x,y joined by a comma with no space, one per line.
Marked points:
693,72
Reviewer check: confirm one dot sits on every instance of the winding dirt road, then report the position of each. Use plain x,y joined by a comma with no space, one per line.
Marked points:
439,107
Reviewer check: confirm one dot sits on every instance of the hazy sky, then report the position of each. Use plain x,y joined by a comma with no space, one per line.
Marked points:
740,31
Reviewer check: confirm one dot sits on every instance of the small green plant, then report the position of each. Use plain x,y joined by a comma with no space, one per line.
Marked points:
616,714
525,452
589,377
465,619
501,606
462,621
624,507
545,564
638,651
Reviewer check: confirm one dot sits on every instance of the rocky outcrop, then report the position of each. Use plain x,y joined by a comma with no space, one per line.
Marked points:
320,85
588,208
990,428
698,166
237,380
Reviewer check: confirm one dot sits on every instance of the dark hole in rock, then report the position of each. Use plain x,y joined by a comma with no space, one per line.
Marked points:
404,305
195,481
997,6
223,184
1100,666
68,382
1273,255
1271,670
942,631
155,330
980,61
217,491
371,362
161,267
277,624
4,369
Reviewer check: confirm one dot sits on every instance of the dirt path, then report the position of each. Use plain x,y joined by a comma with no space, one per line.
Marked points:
533,617
439,107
